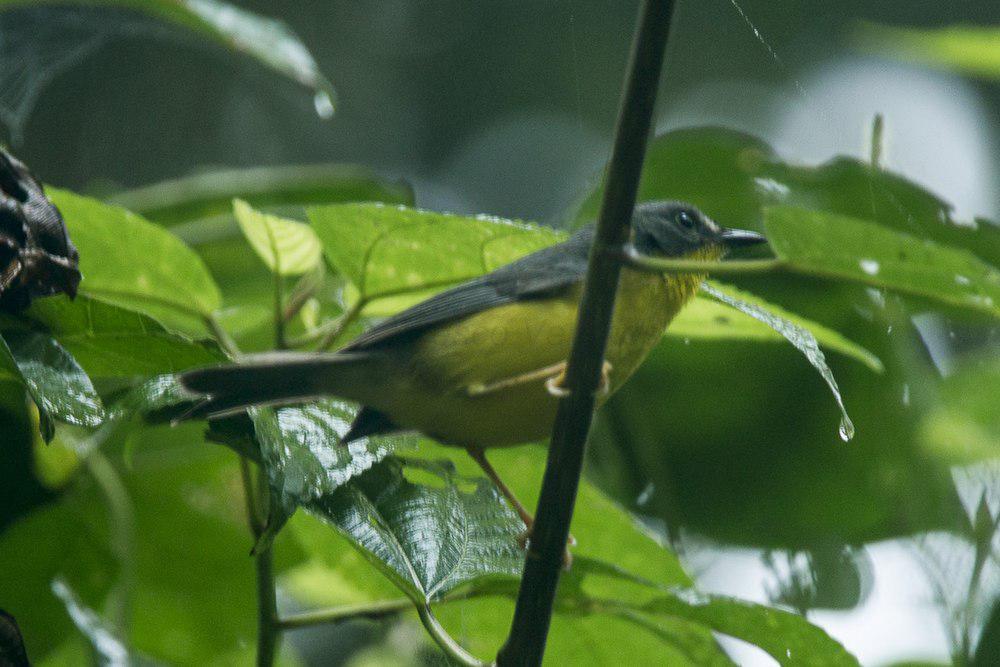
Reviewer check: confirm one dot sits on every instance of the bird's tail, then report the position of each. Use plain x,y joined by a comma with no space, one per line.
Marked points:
275,378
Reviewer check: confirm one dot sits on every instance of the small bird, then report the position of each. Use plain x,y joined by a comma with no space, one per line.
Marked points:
481,365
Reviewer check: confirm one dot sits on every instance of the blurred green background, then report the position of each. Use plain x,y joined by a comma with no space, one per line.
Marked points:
730,450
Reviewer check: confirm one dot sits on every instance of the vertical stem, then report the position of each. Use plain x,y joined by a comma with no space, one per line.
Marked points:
268,629
526,643
257,495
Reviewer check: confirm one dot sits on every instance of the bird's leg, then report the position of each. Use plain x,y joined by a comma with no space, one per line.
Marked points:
507,383
554,384
479,456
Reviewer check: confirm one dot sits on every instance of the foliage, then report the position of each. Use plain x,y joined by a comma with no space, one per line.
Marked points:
133,525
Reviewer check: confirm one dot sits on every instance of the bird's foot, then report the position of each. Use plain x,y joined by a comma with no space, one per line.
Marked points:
525,537
554,385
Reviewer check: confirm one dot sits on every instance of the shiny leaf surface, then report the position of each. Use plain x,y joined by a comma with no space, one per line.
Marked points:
59,387
269,41
427,538
836,246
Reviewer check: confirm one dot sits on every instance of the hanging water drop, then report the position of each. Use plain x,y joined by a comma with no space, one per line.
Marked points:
323,103
846,429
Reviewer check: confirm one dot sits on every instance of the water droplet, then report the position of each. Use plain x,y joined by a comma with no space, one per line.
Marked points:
906,395
646,495
323,104
962,280
846,429
869,266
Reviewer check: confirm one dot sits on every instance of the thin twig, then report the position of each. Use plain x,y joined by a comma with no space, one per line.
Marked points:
342,322
123,532
526,643
366,610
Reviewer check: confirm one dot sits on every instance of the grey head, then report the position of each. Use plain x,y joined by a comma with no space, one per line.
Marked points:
676,229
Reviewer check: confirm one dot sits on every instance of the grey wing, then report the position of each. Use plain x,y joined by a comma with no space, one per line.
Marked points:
540,273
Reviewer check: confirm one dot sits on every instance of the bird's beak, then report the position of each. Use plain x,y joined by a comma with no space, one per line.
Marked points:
740,238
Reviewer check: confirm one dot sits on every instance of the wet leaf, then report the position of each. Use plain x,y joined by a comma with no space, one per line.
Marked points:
269,41
786,637
108,341
386,250
135,264
427,538
303,454
287,247
798,336
835,246
733,176
58,386
709,318
395,251
210,194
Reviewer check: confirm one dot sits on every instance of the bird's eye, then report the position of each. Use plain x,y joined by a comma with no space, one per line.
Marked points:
686,220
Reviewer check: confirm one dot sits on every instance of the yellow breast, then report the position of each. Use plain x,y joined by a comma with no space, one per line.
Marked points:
435,374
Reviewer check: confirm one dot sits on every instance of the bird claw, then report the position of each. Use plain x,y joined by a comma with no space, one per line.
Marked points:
525,536
554,385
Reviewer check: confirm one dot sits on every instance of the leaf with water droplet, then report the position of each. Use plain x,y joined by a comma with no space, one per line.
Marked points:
708,318
803,341
827,245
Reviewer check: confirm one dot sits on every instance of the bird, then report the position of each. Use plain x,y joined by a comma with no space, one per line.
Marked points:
481,365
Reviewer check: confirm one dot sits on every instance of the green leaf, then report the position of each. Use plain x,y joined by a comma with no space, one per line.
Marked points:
394,251
427,538
287,247
798,336
787,637
968,49
337,575
135,264
386,251
211,194
708,318
303,454
839,247
962,425
57,384
269,41
108,341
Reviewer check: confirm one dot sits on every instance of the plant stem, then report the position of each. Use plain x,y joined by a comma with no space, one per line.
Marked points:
268,628
451,648
123,533
331,335
369,610
257,495
526,643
